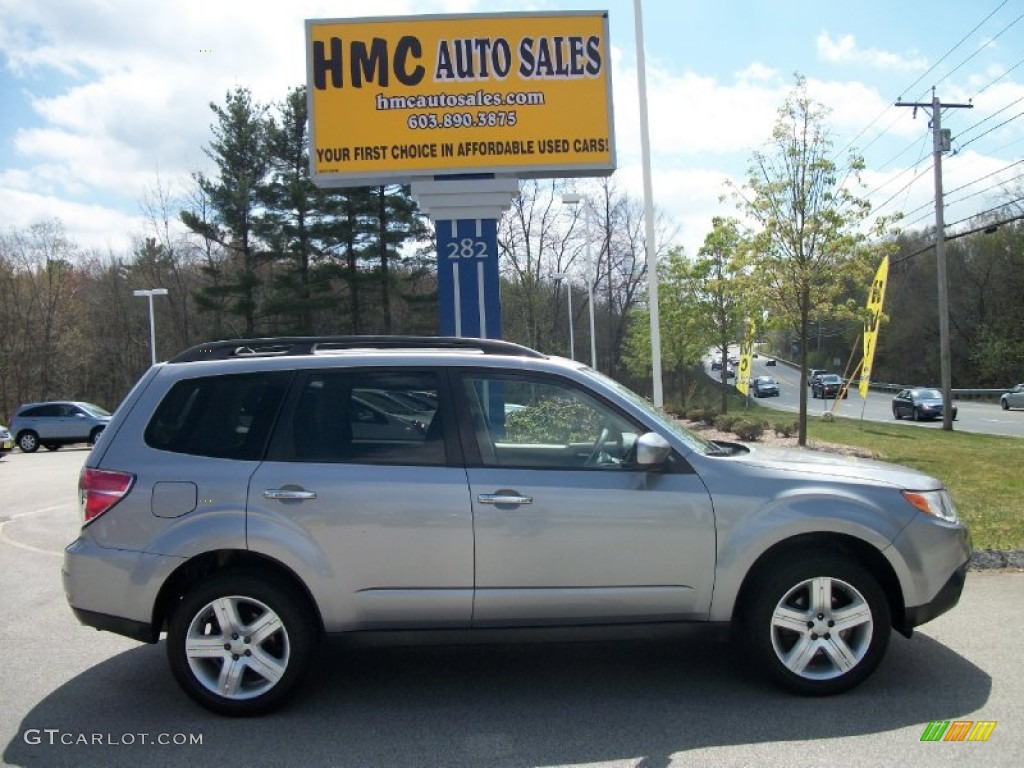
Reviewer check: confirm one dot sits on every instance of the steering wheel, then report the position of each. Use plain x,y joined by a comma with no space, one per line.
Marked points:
597,456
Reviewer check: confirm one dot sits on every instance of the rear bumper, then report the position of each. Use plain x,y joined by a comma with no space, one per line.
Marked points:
142,631
113,589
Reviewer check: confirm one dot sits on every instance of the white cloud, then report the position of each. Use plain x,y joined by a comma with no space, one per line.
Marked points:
89,226
844,50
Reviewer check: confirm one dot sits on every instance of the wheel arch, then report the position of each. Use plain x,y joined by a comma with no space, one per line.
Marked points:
858,550
211,563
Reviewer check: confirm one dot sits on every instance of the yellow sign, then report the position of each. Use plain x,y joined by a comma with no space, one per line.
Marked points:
394,98
875,299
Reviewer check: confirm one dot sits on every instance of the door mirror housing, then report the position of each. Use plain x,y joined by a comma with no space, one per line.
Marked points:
652,450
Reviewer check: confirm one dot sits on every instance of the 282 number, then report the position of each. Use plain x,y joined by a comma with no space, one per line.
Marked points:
467,248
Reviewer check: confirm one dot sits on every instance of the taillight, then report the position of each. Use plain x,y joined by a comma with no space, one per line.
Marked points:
100,489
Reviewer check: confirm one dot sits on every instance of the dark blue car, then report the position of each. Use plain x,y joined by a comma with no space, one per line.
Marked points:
919,404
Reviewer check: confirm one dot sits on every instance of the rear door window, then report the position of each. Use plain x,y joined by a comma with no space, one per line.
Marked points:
364,417
226,417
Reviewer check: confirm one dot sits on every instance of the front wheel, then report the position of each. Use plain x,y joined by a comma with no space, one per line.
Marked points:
28,442
817,626
1005,404
239,645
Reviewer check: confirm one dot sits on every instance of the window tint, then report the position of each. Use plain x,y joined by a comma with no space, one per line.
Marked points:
545,423
226,417
364,418
43,411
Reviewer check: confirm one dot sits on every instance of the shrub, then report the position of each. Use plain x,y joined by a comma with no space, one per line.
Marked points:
787,429
708,419
724,422
695,414
748,430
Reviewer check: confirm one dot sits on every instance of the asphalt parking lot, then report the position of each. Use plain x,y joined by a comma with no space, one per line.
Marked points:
74,696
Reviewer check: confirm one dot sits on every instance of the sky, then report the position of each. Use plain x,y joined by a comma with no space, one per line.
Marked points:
101,100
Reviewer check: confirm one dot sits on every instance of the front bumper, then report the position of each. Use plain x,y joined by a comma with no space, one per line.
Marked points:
947,597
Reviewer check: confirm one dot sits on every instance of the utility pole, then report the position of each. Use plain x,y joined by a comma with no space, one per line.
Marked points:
940,144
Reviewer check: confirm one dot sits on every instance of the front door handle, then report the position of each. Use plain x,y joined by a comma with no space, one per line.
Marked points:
503,498
288,494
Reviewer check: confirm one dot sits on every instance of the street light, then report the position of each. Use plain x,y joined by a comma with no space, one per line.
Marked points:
152,322
559,276
577,200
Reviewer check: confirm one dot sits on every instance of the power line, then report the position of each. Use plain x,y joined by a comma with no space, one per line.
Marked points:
992,226
970,128
990,130
997,79
981,48
986,176
931,69
947,53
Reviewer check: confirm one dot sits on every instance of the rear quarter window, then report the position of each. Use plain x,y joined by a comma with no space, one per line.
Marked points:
227,417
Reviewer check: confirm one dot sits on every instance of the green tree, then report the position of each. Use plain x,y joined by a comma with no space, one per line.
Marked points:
293,222
239,150
705,299
810,247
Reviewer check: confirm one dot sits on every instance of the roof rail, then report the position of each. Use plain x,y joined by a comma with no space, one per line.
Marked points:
311,345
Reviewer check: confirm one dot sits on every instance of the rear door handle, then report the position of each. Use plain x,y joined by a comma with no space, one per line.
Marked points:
503,498
288,494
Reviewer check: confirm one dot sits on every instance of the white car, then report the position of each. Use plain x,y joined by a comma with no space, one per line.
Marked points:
1013,399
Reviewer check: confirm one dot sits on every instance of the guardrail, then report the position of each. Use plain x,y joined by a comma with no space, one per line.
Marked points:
956,392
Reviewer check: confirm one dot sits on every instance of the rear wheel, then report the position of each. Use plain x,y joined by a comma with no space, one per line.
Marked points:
817,626
28,442
239,645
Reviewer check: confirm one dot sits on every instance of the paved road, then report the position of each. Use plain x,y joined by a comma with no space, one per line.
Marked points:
651,703
973,416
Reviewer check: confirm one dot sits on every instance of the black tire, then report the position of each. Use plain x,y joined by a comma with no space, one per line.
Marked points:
773,629
95,435
283,654
917,414
51,446
896,413
1005,404
28,442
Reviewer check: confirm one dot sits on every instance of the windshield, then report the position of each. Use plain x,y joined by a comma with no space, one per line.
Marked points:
928,394
93,410
691,440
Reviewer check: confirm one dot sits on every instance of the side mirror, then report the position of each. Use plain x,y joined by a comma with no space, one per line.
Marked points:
652,450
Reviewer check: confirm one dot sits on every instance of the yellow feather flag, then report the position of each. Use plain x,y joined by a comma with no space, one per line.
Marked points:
875,299
746,361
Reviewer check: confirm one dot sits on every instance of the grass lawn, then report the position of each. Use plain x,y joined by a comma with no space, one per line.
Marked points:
984,473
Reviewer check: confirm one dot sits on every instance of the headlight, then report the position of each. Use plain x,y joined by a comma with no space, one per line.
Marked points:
935,503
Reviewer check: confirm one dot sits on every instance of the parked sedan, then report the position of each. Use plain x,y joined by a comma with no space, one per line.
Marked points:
764,386
919,404
6,441
828,385
1013,399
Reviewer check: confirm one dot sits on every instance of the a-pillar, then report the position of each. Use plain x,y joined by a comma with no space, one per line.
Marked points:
465,210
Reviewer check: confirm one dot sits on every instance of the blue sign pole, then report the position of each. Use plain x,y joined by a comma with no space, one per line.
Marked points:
469,297
465,211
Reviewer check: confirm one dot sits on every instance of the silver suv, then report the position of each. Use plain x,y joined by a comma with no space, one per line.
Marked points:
57,423
246,501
